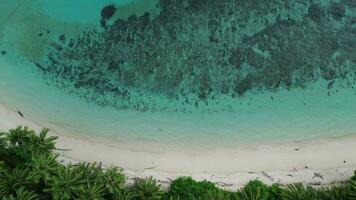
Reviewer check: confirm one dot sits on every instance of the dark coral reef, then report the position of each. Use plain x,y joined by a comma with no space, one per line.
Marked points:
197,50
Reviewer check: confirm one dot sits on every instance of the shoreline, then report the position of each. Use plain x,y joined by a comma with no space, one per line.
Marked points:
229,168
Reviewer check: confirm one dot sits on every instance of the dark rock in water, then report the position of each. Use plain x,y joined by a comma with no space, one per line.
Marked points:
40,66
103,23
48,31
132,18
337,11
40,34
351,3
330,84
62,38
108,11
56,46
236,58
145,19
316,13
3,52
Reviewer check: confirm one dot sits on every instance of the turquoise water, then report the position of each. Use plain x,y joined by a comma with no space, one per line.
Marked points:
200,72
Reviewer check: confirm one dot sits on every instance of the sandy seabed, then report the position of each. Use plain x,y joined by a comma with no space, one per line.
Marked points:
230,168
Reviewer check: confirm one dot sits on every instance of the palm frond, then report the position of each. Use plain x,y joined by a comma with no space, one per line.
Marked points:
147,189
12,180
89,171
113,179
298,191
91,191
42,143
65,184
336,192
216,195
43,167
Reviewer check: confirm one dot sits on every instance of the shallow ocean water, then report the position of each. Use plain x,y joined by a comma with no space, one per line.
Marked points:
182,74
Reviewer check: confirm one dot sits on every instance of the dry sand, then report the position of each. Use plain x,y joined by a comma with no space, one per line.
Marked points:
230,168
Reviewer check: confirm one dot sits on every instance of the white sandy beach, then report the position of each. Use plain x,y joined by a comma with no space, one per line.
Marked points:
230,168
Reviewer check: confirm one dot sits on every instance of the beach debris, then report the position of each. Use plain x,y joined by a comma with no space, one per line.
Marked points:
215,176
296,149
316,183
164,182
222,184
344,161
266,175
135,178
318,175
252,172
20,113
59,149
294,169
291,175
148,168
306,167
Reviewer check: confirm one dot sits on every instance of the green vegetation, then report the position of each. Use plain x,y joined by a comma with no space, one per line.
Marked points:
29,170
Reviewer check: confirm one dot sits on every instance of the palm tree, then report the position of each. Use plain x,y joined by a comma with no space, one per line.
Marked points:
3,141
22,194
24,143
3,147
12,180
91,191
19,136
43,167
113,179
216,195
336,192
352,193
297,191
251,193
123,194
64,185
89,171
147,189
27,139
42,143
17,150
254,190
